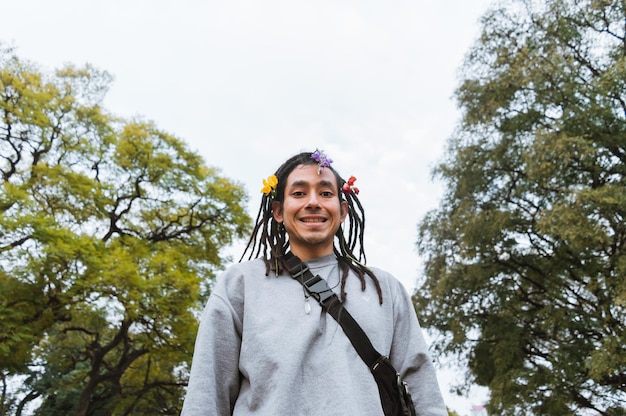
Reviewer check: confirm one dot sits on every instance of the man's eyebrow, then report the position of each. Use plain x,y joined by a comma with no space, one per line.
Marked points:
322,183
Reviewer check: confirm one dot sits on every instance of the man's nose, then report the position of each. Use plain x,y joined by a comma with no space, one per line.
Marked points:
313,201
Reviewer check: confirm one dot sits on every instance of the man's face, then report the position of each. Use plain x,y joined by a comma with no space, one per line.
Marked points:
311,211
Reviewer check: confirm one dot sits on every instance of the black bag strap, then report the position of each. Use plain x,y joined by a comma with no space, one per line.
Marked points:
394,393
330,302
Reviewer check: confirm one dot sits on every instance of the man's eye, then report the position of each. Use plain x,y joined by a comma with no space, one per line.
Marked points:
297,193
327,194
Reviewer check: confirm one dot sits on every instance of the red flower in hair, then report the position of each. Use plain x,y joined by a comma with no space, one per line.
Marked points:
349,187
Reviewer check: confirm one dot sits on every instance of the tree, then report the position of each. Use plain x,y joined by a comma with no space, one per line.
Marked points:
525,260
110,234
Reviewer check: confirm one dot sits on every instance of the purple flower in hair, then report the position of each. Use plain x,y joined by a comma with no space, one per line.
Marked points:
322,160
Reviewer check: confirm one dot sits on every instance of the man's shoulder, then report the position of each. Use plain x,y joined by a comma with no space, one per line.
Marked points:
387,279
244,268
381,274
231,283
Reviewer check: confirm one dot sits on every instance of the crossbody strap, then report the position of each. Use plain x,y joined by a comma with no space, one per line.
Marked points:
318,288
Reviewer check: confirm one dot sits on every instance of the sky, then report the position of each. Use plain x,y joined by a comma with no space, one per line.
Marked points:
247,84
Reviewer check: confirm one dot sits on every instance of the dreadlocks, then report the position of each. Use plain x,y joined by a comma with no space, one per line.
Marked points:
269,238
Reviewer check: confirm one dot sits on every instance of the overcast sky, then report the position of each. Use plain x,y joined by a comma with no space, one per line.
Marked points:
249,83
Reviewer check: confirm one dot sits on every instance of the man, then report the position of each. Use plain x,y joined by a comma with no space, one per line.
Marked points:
265,348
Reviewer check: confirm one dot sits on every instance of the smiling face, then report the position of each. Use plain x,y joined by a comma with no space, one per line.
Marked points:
311,211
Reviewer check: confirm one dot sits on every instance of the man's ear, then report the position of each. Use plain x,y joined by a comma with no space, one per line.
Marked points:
277,211
344,210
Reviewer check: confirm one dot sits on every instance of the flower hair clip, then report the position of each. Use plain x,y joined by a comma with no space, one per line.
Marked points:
269,186
349,187
322,160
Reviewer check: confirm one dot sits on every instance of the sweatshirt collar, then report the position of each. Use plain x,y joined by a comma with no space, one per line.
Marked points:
320,262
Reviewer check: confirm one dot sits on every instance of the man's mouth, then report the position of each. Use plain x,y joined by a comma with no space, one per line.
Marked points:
313,220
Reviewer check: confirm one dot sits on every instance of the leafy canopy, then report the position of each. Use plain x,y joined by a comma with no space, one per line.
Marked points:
525,269
110,233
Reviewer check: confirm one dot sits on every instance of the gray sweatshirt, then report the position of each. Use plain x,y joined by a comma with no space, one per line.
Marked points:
258,352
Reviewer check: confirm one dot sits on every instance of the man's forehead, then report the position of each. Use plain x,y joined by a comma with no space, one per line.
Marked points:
308,175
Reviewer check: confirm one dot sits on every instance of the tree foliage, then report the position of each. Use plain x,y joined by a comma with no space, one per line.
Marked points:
525,269
110,232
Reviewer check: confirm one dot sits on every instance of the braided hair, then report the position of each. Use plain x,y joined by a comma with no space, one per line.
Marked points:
269,238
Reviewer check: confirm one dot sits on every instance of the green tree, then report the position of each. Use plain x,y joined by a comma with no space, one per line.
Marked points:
110,234
525,259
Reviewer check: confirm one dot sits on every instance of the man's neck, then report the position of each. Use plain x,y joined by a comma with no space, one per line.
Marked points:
309,253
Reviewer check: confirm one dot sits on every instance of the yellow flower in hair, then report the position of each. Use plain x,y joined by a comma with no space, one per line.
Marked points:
269,186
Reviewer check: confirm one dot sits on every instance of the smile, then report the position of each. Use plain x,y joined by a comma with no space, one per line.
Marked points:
313,220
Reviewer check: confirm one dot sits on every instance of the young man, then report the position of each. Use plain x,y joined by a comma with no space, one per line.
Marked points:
265,348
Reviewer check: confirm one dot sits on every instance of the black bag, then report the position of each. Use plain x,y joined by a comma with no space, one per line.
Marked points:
394,393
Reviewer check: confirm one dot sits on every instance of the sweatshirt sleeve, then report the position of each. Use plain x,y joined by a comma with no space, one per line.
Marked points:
410,356
214,378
